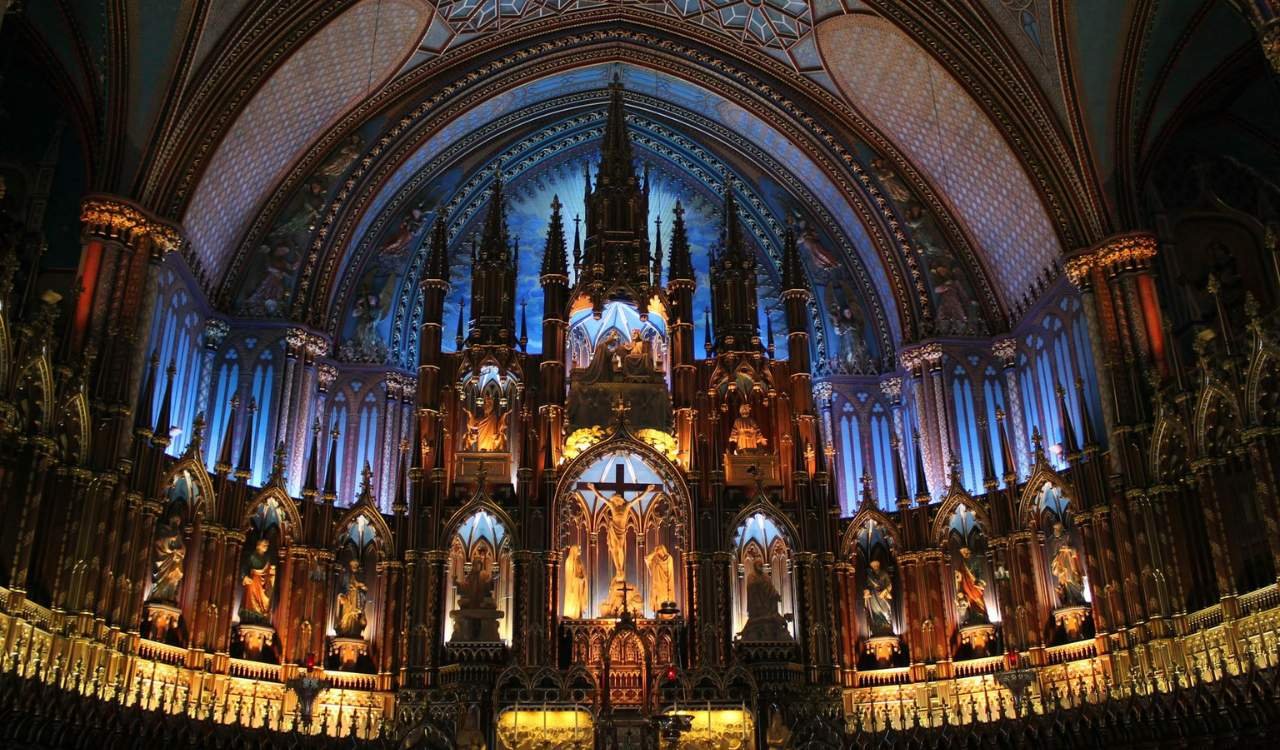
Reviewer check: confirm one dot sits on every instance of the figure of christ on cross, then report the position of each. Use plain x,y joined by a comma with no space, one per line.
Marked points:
618,514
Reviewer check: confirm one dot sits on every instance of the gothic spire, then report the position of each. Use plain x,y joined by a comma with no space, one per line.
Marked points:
922,482
793,276
438,259
244,467
331,471
312,483
1069,445
554,259
681,264
1006,450
732,229
657,251
223,466
616,159
163,423
900,491
495,242
147,396
366,486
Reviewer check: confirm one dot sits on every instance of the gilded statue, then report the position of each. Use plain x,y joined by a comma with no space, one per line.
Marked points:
1065,568
746,437
575,583
169,551
351,603
662,586
877,597
487,431
616,519
259,577
971,602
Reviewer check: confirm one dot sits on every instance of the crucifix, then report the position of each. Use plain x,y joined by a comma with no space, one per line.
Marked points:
619,511
624,587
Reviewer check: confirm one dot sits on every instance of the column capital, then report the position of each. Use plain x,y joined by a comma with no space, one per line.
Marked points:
1006,350
1129,251
891,387
922,356
112,218
215,332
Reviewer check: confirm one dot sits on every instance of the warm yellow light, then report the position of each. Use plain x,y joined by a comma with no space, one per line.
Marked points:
528,728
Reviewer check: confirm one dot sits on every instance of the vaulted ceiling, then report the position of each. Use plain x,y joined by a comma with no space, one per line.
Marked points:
939,156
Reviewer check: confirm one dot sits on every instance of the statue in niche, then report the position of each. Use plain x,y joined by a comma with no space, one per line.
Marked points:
606,361
662,586
971,588
170,551
488,430
877,597
369,309
575,583
746,437
351,602
637,357
259,577
476,617
617,518
1064,565
764,620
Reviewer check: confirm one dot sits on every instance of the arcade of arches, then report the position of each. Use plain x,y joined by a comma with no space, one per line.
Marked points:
681,373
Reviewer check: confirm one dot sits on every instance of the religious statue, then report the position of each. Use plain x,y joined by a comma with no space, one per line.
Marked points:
351,618
616,519
259,577
662,587
877,597
477,616
170,551
475,588
575,583
764,620
1065,567
637,357
487,431
777,736
971,603
746,437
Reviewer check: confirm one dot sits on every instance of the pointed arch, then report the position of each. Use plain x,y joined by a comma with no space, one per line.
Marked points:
293,526
34,408
1041,475
849,540
75,433
203,508
1217,412
942,520
382,533
1261,385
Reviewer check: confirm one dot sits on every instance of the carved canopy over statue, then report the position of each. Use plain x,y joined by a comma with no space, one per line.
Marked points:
764,600
479,580
486,407
620,535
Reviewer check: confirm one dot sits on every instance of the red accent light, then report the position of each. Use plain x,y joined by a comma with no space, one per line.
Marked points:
671,674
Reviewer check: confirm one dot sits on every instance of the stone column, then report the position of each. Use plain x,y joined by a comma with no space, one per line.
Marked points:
215,332
1006,351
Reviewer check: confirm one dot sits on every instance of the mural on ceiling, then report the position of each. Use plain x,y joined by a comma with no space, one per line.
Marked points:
957,311
273,268
780,28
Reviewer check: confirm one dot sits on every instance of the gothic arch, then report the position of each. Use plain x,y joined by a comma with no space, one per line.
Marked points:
480,501
849,540
1217,420
622,439
1263,381
192,464
73,430
291,531
1170,446
383,537
1028,503
942,518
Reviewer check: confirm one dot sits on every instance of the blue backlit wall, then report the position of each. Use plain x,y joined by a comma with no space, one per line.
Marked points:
176,339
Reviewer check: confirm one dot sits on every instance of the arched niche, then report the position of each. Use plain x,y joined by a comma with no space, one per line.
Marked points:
610,335
974,604
873,548
1064,568
621,516
187,497
477,603
764,597
270,524
363,541
487,398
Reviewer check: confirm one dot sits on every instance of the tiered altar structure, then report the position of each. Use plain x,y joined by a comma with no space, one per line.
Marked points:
588,542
